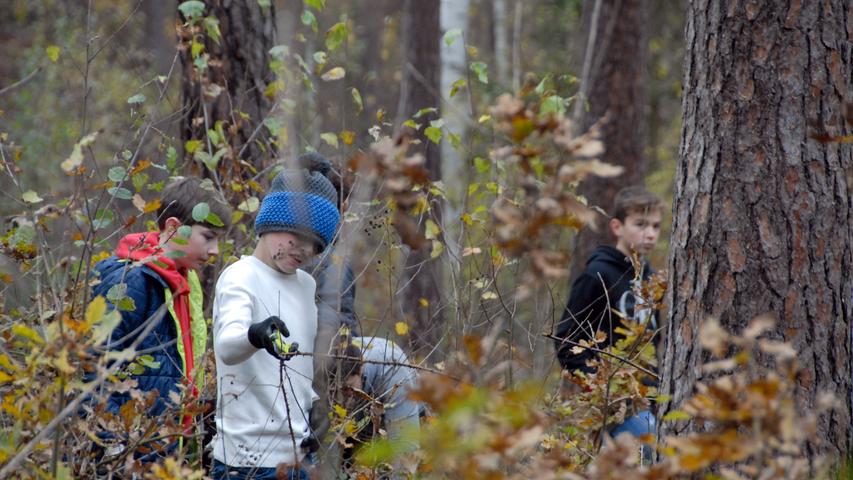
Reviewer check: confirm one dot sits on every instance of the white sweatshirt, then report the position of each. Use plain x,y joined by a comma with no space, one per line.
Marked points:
252,421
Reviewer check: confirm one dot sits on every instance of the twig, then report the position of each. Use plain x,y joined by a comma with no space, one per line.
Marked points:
122,356
20,82
604,352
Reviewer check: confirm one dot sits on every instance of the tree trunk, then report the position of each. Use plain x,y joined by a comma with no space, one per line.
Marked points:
502,56
455,110
762,213
232,87
419,89
159,34
614,86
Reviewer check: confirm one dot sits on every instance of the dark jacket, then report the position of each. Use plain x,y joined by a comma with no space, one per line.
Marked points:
147,289
335,293
605,284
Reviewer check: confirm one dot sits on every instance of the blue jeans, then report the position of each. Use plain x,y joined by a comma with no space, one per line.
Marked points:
642,423
224,472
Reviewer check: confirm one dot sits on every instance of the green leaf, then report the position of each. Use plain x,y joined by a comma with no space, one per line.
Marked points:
336,35
171,157
120,192
139,180
451,35
211,26
185,231
336,73
31,197
482,165
318,5
196,48
264,3
330,138
249,205
191,9
175,254
117,292
676,415
553,104
214,220
543,85
481,70
437,249
356,98
425,111
320,57
433,133
308,19
431,230
147,361
103,218
137,99
279,52
192,145
455,140
117,174
201,211
456,86
53,53
411,124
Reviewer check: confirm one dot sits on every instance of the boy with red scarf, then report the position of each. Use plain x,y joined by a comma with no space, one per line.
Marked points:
152,278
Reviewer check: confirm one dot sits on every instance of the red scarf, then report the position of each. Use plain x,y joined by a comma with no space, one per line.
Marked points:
139,246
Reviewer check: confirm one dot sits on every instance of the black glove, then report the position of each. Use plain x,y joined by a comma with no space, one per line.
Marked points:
270,335
310,444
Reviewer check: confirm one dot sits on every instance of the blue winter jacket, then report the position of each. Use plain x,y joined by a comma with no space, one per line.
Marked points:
147,290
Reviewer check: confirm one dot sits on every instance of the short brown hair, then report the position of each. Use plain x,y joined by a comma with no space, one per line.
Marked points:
182,195
347,361
633,200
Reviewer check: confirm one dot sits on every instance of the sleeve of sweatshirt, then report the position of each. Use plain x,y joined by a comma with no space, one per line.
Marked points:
232,315
391,383
585,308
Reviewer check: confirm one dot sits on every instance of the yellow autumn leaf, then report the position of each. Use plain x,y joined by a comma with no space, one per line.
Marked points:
401,328
96,309
340,411
336,73
424,302
348,136
61,362
27,332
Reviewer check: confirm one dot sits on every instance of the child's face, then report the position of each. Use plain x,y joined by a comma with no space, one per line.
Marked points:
287,251
201,246
639,231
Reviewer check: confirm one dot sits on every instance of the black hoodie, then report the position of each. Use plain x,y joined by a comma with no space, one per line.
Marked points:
588,307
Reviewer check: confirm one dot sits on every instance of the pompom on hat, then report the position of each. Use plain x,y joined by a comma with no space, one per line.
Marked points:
303,203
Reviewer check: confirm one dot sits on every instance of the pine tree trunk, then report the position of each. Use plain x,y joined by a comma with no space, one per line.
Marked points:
762,213
238,66
420,300
616,89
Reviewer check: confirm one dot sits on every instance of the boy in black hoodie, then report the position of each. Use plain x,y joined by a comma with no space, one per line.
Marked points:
607,281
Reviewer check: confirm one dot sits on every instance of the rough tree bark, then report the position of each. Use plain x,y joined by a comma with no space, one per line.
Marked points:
231,88
615,86
762,213
420,89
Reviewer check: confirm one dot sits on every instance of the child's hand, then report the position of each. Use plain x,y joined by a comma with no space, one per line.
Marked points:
270,335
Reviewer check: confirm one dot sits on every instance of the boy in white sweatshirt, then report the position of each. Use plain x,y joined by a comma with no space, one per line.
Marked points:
264,315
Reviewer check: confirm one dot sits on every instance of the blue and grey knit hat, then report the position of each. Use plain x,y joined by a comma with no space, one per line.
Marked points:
300,202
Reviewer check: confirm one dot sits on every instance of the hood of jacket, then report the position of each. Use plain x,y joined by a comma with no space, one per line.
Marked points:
146,247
